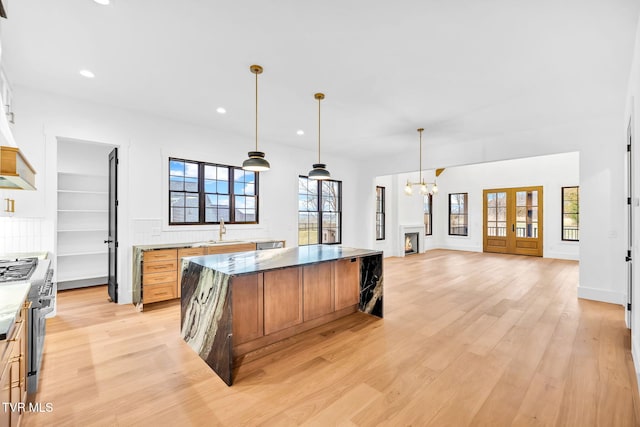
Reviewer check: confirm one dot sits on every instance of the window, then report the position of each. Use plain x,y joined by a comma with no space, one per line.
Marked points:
570,213
380,218
205,193
319,211
428,219
458,214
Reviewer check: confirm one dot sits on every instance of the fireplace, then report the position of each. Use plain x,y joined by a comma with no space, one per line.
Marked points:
410,239
411,245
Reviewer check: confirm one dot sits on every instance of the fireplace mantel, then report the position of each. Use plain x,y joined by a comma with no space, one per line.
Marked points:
410,228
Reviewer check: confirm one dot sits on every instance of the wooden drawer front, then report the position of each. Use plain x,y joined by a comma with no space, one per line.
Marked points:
154,278
159,292
225,249
191,252
159,266
161,255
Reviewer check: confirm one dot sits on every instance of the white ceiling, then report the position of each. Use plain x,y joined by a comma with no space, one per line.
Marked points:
464,70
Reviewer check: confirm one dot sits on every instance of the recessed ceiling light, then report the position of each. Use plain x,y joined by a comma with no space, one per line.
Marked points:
221,110
86,73
102,2
300,132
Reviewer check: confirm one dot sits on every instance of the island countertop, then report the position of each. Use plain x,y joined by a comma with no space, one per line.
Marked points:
257,261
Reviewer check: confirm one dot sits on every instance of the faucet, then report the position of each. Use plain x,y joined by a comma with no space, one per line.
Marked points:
223,229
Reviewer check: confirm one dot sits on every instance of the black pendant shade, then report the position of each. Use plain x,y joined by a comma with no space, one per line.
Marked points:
256,162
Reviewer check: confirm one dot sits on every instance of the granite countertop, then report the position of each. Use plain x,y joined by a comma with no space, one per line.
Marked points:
12,296
201,244
256,261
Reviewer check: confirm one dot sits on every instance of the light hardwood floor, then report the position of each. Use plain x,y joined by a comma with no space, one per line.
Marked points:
467,339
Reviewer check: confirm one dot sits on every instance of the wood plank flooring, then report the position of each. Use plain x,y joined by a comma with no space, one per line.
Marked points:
467,339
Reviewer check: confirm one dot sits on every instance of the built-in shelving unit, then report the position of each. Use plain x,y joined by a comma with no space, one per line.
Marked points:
82,215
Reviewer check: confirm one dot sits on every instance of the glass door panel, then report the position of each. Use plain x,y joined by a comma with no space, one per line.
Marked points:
527,214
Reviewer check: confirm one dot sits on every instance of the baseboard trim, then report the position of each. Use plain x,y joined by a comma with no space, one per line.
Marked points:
562,255
470,248
601,295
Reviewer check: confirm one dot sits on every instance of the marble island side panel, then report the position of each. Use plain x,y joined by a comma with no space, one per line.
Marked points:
371,285
205,317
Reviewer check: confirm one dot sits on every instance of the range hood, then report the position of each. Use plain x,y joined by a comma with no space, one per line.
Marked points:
15,171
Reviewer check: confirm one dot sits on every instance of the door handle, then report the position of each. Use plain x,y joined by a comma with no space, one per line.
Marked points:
108,241
513,227
627,258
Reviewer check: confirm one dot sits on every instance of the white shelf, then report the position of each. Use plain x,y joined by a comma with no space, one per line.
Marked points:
82,213
83,192
81,277
85,230
82,254
84,210
88,175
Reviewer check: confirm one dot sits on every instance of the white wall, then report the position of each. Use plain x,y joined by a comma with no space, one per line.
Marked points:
145,142
632,115
552,172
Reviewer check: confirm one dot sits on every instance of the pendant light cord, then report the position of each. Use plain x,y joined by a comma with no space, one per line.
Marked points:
319,130
256,111
420,130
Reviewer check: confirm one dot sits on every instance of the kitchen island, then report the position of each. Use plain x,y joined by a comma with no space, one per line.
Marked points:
234,304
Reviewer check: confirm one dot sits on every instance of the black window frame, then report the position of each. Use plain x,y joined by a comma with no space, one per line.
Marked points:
428,201
202,194
320,211
563,213
381,212
465,214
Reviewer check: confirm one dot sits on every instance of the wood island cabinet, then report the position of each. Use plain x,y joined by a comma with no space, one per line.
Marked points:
347,273
319,282
273,305
282,299
248,303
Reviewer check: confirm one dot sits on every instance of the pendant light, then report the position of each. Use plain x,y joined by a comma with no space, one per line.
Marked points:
319,170
256,161
424,190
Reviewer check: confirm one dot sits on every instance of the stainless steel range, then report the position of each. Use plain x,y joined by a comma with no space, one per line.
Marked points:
42,295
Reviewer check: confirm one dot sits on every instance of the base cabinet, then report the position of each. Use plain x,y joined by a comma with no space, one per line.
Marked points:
318,284
282,299
247,308
347,273
161,268
159,275
13,381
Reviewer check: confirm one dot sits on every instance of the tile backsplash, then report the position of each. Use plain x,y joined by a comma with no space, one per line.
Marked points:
21,234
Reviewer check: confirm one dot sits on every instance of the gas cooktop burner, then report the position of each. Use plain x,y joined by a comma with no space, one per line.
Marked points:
19,269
